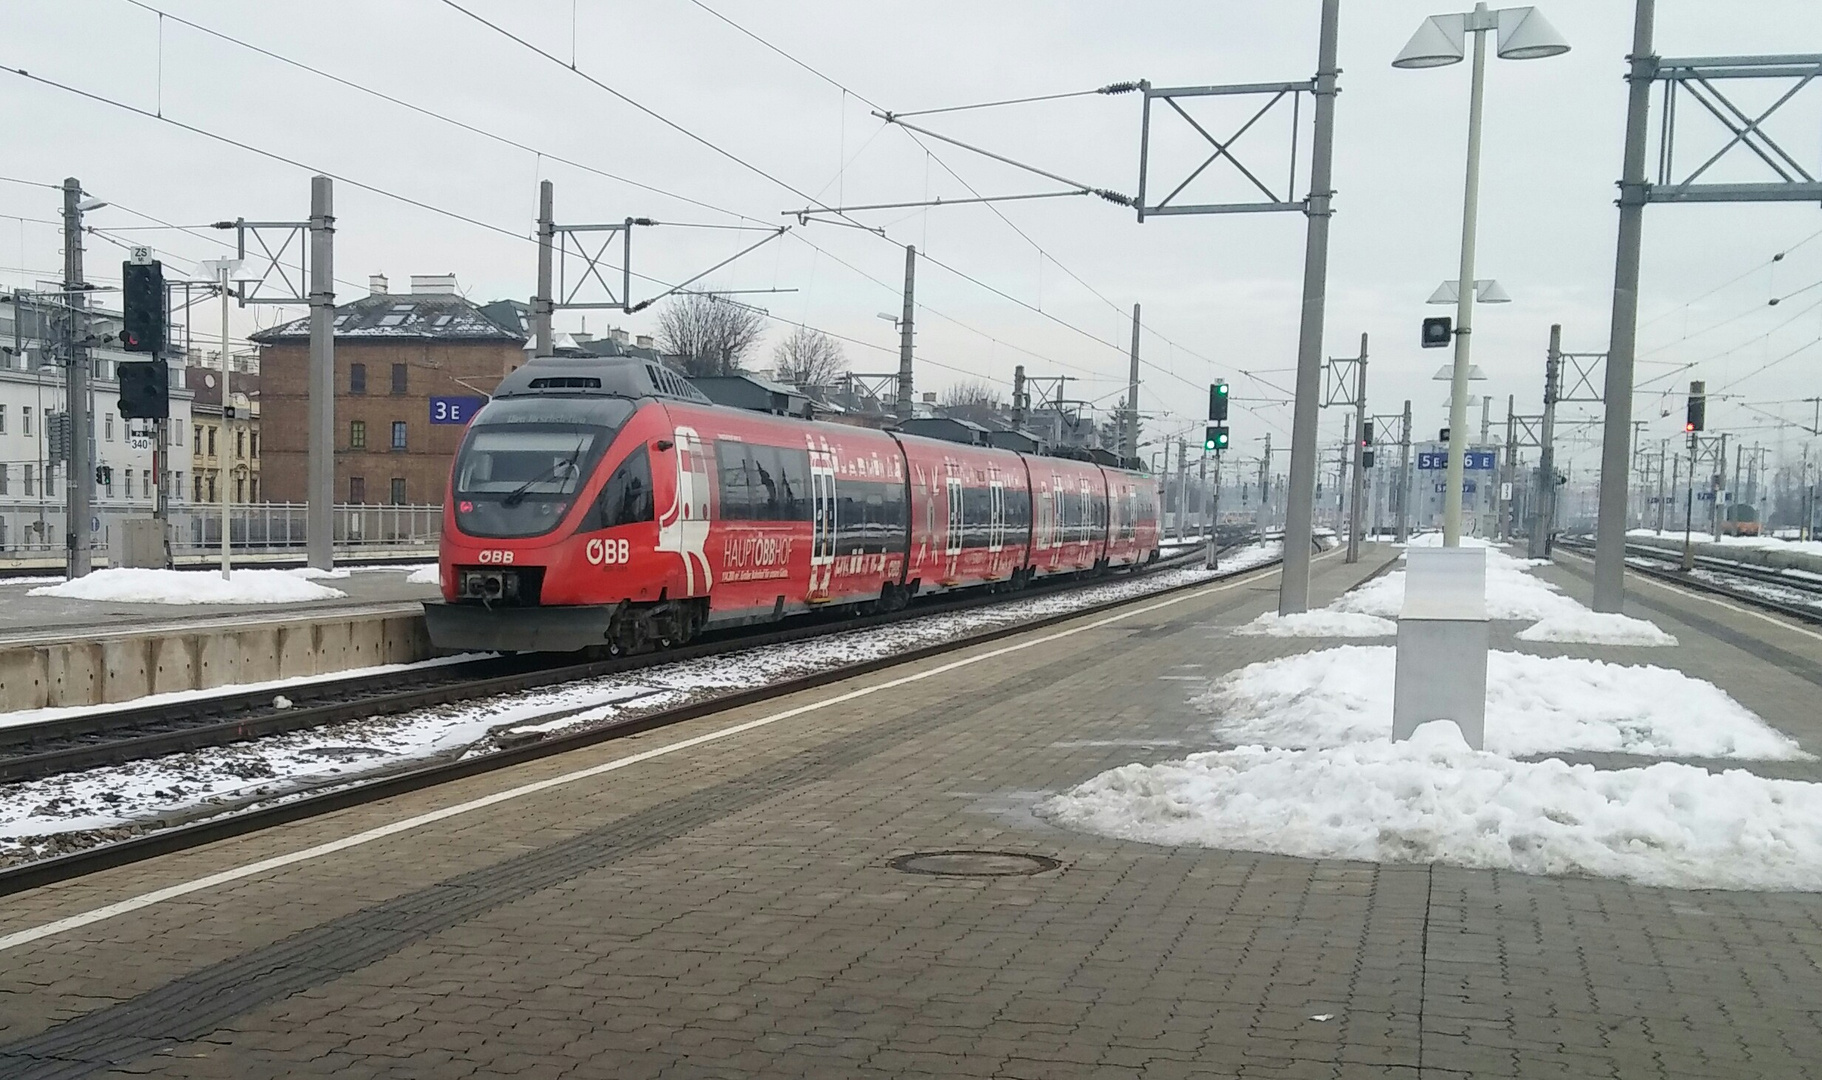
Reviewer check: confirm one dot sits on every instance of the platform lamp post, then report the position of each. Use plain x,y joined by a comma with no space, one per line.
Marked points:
1524,34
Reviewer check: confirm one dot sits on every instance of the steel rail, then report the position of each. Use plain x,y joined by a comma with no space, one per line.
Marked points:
114,737
31,875
1678,577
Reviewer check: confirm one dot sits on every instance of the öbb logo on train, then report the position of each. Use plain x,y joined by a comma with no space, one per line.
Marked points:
607,551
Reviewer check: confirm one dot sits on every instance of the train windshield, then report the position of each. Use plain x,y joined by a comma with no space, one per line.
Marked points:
524,460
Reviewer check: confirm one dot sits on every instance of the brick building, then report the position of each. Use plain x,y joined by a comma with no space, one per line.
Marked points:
395,356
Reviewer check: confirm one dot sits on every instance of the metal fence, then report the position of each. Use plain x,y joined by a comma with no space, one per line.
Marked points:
33,530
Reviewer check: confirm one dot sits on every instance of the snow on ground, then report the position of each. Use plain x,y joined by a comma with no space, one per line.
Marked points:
1807,547
1596,628
424,575
1512,593
206,780
1535,704
311,573
1319,623
134,586
1245,558
1432,799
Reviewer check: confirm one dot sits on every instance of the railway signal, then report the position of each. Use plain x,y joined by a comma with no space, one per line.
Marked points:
145,389
1215,438
1697,416
142,307
1437,331
1217,402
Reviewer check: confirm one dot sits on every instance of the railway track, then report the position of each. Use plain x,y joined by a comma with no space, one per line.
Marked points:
114,737
31,875
1722,577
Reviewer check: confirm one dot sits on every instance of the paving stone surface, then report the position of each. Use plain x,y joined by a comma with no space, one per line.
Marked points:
730,910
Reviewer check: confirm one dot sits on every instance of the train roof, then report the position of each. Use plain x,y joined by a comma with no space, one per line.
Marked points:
631,377
598,376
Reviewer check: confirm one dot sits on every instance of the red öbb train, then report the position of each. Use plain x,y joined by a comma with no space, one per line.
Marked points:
605,503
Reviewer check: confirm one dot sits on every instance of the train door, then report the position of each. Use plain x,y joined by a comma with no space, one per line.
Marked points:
822,526
996,515
952,544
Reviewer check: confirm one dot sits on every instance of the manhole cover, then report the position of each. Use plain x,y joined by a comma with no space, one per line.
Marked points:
974,863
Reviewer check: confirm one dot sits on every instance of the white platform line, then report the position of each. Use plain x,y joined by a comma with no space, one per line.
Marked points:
171,892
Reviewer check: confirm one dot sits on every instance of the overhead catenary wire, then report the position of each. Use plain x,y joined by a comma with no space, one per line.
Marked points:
912,133
388,193
512,142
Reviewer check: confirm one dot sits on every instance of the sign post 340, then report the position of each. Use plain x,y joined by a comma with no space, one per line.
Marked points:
1483,460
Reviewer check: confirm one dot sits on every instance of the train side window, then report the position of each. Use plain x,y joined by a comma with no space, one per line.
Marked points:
771,502
796,469
627,497
734,482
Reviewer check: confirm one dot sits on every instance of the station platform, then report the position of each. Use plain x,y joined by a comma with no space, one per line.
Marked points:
723,899
57,651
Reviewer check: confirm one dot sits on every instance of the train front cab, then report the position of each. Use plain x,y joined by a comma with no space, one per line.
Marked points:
551,532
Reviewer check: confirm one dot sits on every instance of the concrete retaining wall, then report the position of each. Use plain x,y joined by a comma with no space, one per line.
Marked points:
123,667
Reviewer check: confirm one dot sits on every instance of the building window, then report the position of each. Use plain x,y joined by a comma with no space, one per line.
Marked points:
196,439
126,483
255,489
240,489
240,444
145,483
398,434
357,378
107,481
398,491
357,434
3,480
398,378
197,480
2,419
26,413
177,485
357,489
256,446
28,481
398,316
108,428
211,441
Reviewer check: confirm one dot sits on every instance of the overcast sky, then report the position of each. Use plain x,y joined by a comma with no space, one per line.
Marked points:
1220,293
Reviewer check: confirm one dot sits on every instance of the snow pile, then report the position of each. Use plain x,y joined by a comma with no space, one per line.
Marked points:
1237,559
311,573
125,585
1512,593
1596,628
1319,623
1432,799
1535,704
424,575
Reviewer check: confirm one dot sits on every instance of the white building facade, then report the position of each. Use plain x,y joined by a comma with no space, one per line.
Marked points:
33,484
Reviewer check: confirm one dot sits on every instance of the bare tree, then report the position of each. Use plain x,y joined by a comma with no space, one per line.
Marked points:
706,334
970,393
808,358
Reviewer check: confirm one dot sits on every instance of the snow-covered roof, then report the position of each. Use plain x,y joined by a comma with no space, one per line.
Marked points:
392,315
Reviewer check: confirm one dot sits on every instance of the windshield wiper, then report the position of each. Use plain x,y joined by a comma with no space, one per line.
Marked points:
517,495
